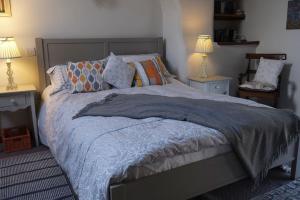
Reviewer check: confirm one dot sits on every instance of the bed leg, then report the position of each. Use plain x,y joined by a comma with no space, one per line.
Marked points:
295,172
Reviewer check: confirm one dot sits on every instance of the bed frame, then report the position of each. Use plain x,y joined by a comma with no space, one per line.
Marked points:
179,183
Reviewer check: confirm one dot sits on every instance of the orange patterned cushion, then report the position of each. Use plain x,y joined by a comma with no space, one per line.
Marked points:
150,72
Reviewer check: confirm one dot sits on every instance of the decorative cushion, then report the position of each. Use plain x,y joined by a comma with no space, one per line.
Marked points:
59,78
118,73
162,67
150,72
268,72
86,76
144,57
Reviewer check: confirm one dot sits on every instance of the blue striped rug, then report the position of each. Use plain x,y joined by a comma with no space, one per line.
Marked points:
33,176
289,191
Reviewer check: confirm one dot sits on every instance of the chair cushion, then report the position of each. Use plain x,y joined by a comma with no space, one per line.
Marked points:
268,72
257,86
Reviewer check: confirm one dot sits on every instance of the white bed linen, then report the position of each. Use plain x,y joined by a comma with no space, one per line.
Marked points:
66,138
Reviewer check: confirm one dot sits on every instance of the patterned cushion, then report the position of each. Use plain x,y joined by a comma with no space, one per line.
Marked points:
162,66
118,73
150,72
268,72
86,76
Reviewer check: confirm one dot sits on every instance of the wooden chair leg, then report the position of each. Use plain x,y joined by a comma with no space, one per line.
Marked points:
275,103
295,172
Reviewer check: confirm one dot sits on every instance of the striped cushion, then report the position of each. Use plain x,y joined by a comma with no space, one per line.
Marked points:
86,76
162,66
150,72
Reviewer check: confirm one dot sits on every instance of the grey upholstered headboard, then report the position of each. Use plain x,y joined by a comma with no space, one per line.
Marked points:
51,52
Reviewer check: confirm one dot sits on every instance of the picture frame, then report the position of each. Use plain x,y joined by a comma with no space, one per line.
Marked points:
293,16
5,9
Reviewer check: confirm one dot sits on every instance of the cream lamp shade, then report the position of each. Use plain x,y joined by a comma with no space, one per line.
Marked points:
8,48
204,44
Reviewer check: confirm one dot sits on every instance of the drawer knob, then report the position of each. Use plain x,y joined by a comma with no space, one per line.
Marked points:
217,87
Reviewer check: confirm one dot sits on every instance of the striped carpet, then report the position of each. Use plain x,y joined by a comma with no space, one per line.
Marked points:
290,191
33,176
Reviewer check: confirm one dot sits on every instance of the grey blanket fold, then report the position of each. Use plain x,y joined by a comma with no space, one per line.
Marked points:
258,135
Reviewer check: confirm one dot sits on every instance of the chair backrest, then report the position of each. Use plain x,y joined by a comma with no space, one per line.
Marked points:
254,56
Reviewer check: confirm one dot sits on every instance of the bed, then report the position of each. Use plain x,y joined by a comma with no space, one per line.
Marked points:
173,176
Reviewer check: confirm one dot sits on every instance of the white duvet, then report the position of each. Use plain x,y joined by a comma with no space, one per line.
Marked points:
97,152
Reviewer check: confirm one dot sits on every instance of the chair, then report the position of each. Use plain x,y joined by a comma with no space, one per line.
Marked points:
259,95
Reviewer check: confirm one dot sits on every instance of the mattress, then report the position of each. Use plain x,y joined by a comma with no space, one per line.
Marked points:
97,152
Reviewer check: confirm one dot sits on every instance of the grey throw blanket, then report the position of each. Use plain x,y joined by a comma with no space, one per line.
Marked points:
257,135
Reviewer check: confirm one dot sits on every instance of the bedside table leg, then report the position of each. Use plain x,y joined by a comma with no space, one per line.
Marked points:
34,120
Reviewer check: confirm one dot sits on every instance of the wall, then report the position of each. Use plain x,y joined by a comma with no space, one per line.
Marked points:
270,28
71,19
172,32
74,19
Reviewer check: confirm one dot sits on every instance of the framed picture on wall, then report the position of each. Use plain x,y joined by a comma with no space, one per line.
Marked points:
5,10
293,18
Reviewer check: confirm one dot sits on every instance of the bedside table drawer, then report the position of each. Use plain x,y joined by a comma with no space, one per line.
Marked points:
218,87
12,100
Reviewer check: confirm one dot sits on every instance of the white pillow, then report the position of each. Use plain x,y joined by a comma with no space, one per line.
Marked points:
138,58
268,71
118,73
59,78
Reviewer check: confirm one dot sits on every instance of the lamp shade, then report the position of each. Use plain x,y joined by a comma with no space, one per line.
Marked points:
204,44
8,48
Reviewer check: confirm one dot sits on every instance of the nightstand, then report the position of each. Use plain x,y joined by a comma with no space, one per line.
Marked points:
213,84
21,98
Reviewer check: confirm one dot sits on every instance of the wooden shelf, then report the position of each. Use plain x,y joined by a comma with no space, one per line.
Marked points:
238,43
230,16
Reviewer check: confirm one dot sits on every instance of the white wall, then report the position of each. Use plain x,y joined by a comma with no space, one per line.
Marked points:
266,21
172,32
75,19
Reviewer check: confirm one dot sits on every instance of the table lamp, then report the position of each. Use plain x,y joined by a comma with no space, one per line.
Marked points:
204,46
8,51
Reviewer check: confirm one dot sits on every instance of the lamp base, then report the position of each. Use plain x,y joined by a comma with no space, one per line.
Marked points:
11,83
203,67
12,87
203,76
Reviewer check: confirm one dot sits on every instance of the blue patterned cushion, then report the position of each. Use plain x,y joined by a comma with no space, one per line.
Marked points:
86,76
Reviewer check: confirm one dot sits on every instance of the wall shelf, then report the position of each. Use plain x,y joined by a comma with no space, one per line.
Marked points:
228,20
226,17
238,43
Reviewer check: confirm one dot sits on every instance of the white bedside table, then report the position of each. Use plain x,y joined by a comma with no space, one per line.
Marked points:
21,98
213,84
